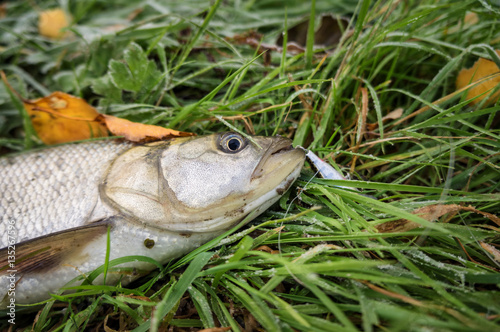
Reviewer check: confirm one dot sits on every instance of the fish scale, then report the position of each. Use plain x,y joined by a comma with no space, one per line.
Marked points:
37,195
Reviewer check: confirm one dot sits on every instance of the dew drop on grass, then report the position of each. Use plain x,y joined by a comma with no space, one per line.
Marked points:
456,270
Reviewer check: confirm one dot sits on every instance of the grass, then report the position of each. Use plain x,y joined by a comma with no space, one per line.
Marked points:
315,261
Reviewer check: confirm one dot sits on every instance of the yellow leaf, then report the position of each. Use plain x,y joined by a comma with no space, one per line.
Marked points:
60,118
138,132
51,22
481,69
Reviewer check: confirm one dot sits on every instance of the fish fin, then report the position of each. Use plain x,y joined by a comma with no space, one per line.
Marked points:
45,252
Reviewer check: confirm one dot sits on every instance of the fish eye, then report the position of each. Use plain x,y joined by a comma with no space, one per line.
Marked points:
232,143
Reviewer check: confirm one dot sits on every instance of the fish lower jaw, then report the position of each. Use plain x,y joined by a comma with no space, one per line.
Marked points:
265,201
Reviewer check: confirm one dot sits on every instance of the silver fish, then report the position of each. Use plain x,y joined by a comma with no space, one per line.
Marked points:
159,200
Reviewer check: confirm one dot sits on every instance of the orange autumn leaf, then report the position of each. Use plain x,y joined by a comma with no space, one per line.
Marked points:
481,69
52,22
60,118
138,132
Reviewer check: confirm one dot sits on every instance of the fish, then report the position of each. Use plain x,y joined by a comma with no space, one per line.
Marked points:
160,200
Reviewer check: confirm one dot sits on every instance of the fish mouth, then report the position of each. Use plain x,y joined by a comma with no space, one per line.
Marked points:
286,148
278,155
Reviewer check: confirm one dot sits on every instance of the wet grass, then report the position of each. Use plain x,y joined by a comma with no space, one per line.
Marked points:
315,261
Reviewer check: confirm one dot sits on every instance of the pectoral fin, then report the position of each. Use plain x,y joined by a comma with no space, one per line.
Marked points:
45,252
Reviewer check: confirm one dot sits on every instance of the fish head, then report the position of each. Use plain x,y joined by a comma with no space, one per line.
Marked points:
203,184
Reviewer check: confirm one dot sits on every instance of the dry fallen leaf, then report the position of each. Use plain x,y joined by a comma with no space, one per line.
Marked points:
51,22
60,118
3,10
430,213
492,250
481,69
327,35
267,249
396,114
470,19
138,132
